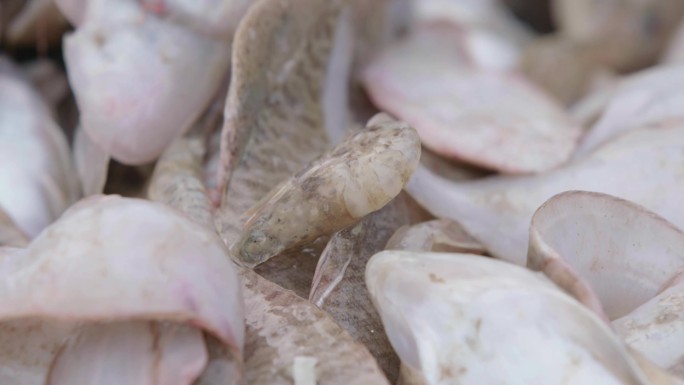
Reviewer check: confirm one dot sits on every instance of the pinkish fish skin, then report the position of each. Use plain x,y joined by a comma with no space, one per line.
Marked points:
487,118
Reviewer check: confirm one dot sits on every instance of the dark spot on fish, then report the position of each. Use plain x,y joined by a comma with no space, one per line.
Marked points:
312,184
271,295
666,318
651,25
99,39
445,372
434,278
472,343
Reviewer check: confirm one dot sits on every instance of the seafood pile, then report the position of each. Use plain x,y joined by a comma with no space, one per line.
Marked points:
329,192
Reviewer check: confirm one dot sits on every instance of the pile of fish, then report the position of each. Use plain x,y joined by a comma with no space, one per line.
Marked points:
341,192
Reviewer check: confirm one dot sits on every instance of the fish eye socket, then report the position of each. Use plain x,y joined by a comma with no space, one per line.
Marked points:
255,248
